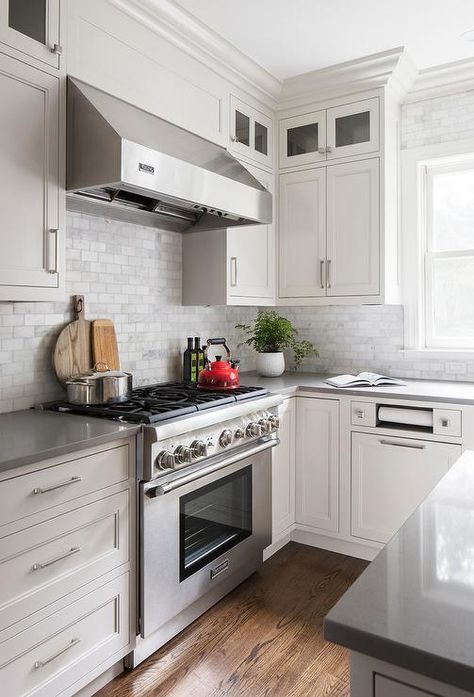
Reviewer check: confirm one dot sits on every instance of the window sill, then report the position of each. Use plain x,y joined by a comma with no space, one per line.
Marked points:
440,354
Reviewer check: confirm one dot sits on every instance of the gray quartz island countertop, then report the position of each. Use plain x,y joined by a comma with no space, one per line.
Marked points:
33,435
431,390
414,604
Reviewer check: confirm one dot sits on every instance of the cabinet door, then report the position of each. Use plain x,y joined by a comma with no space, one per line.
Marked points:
29,177
353,129
32,27
317,463
353,228
302,238
251,254
283,467
303,139
251,133
390,477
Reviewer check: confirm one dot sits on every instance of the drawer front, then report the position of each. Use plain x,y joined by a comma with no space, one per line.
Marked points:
385,687
363,414
55,653
43,563
447,422
32,493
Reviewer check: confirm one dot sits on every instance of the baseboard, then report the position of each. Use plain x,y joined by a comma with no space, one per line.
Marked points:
101,681
277,545
334,544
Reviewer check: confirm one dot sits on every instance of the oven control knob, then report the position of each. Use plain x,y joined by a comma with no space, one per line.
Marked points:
199,448
183,455
266,425
225,438
165,460
239,434
275,421
253,429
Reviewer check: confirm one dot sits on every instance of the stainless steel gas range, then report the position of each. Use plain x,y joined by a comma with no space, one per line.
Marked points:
204,499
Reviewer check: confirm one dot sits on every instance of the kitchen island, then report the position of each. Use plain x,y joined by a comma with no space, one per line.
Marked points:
409,618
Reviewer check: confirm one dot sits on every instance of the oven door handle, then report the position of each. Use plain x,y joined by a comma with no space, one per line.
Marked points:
163,489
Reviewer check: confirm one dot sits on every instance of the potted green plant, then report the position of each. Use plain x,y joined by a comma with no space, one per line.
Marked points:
270,334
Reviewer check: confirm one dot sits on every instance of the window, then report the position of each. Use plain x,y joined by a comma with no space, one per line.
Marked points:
447,217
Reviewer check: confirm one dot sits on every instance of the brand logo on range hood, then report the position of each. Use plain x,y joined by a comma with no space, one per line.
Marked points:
149,169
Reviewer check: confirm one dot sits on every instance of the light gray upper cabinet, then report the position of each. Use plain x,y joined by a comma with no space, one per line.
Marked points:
251,133
32,27
30,186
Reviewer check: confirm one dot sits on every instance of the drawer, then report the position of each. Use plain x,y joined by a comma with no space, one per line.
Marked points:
363,414
447,422
58,651
43,563
386,687
38,491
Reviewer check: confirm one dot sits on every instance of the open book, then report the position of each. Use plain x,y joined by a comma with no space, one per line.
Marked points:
363,380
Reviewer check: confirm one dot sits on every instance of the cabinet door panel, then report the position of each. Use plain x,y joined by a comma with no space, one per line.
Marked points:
302,240
29,176
303,139
390,477
251,254
283,478
317,463
251,133
353,129
32,27
353,228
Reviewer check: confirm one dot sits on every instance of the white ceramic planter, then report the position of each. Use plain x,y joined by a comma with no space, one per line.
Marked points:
270,365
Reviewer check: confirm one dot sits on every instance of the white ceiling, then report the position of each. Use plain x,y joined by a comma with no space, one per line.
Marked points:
289,37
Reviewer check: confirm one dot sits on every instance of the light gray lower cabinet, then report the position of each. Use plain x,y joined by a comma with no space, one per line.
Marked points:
31,197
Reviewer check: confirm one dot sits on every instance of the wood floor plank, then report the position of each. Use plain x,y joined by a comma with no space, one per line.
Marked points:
265,639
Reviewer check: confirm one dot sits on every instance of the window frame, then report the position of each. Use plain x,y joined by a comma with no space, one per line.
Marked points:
417,164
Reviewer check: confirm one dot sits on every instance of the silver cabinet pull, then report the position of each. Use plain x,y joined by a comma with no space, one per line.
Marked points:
44,564
233,271
52,251
415,446
41,490
41,664
445,423
321,272
360,414
328,269
57,49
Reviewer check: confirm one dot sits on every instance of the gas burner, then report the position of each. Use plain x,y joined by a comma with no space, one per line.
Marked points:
154,403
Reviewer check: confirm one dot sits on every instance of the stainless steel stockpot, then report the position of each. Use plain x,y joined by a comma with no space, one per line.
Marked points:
99,387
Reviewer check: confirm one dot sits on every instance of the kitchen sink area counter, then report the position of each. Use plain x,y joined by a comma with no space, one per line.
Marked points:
413,606
33,435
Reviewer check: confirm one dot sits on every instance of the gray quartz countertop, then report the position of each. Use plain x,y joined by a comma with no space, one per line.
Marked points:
33,435
414,604
431,390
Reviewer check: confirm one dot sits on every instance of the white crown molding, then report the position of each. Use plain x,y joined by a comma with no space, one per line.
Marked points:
391,68
176,25
450,78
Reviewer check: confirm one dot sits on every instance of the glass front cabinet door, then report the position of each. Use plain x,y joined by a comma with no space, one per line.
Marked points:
303,139
32,27
251,133
353,129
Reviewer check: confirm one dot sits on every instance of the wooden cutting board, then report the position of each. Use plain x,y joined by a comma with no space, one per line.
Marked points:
104,344
73,351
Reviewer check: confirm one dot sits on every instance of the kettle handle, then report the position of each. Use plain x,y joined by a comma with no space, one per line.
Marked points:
217,342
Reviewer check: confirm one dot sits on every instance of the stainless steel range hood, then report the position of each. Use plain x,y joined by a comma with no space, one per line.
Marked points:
126,163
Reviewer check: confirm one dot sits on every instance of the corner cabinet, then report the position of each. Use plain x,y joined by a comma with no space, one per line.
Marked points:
31,200
234,266
32,27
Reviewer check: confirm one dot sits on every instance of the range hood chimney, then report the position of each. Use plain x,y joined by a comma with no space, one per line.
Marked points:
125,163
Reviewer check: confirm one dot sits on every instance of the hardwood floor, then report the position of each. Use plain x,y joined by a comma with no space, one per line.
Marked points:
264,639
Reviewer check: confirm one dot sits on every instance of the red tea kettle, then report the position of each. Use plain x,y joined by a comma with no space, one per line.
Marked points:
219,375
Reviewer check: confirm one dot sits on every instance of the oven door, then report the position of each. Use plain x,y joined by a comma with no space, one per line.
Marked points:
198,527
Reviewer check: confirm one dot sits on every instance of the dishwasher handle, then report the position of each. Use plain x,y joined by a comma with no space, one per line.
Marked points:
162,489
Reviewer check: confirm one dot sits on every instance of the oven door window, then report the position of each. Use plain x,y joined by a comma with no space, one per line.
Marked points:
214,519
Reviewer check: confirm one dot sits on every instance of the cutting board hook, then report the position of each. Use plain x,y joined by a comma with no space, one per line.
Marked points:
78,304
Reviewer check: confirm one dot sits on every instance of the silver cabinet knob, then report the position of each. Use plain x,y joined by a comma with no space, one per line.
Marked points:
329,148
234,139
199,448
225,438
253,429
165,460
57,49
322,151
239,434
183,455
